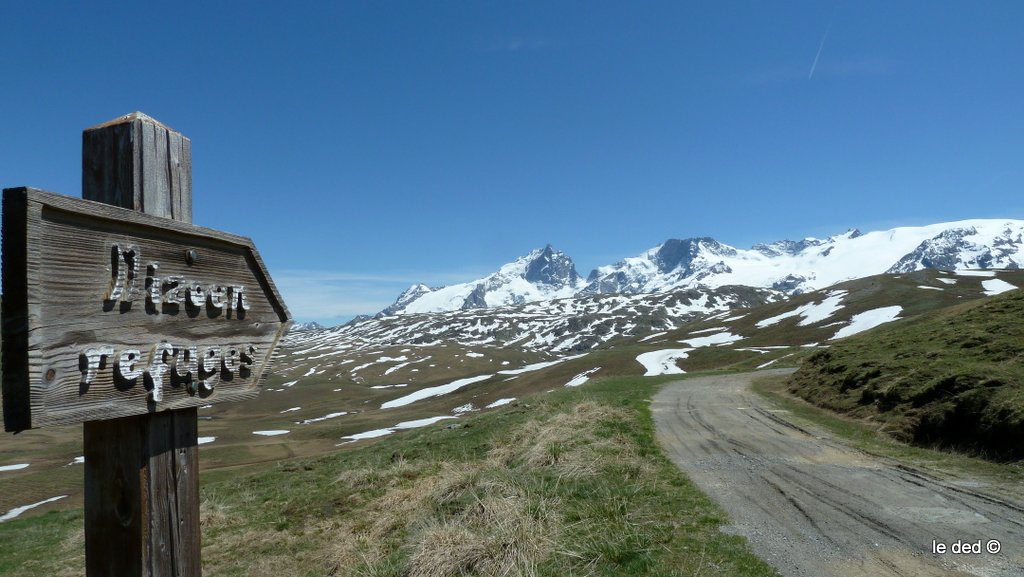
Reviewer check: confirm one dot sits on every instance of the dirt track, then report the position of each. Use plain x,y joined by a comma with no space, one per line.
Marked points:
813,507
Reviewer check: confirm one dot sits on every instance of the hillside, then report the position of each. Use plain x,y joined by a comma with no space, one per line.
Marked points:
951,377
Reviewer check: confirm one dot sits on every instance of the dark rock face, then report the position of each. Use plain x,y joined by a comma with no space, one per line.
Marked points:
617,282
552,268
677,254
476,299
940,252
790,247
789,283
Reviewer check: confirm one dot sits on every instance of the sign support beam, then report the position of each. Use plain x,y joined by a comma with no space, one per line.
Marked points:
141,472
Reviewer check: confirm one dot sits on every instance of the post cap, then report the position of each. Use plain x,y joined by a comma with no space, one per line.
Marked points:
132,117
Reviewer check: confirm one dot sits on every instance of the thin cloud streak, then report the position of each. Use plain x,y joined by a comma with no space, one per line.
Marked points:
821,46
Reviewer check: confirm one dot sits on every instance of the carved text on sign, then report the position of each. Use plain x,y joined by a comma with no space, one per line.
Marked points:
168,293
180,365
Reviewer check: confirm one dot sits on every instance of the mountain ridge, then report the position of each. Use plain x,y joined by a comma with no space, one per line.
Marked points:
792,267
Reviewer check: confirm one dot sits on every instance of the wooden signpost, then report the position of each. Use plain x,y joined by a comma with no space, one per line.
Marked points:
123,315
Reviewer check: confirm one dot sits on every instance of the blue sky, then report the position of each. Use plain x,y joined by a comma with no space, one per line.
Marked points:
365,146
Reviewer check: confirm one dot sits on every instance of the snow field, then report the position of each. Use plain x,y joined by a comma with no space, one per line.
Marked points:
662,362
868,320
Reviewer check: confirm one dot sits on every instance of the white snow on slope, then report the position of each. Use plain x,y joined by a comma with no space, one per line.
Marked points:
500,403
811,312
539,366
711,330
400,426
17,467
15,512
996,286
582,377
716,339
271,433
982,273
206,440
868,320
434,391
931,288
946,280
654,336
421,422
822,262
323,418
368,435
662,362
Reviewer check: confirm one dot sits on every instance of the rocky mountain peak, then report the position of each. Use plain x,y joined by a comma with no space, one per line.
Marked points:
552,268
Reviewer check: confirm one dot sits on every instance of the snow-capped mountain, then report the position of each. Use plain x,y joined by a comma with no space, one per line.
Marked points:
789,266
544,274
811,264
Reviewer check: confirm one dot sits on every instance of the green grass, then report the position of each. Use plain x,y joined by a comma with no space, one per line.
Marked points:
867,436
570,483
951,378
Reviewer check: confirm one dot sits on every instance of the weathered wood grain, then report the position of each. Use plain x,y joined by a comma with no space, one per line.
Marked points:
144,470
135,162
66,254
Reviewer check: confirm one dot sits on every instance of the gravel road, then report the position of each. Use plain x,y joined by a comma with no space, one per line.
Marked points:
813,507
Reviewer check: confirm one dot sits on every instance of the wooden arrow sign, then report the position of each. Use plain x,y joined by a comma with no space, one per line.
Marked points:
109,312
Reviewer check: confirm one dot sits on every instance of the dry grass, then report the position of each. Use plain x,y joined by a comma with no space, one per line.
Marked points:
418,518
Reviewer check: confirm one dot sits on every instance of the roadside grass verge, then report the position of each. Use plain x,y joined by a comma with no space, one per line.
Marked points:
871,437
569,483
952,378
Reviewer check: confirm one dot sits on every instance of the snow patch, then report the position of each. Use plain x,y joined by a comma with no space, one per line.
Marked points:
323,418
983,273
662,362
539,366
715,339
811,312
290,410
996,286
19,510
500,403
421,422
434,391
17,467
400,426
869,320
271,433
711,330
205,440
368,435
931,288
582,377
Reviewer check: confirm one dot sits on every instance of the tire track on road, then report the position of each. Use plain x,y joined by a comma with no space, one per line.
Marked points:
813,507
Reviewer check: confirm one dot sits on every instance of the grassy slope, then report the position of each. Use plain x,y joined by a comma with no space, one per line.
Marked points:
952,378
572,483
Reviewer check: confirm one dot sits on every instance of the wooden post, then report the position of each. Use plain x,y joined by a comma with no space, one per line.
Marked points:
141,472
